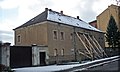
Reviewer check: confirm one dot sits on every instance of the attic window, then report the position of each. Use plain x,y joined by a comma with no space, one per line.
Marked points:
77,24
59,19
89,27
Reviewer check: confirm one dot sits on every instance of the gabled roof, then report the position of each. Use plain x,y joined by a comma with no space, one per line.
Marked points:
39,18
49,15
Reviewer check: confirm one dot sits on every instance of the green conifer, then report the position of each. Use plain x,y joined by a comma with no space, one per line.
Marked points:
112,33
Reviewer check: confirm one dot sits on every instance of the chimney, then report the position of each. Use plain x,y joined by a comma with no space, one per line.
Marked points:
77,17
61,12
50,9
46,9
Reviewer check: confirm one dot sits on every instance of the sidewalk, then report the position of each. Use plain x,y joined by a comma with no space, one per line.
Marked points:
57,68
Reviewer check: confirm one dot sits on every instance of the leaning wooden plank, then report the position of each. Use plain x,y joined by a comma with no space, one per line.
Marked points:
99,46
95,45
91,46
83,43
84,54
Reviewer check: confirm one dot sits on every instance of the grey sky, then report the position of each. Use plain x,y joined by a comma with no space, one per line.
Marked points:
13,13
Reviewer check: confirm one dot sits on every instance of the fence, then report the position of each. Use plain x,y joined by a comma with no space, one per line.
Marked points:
20,56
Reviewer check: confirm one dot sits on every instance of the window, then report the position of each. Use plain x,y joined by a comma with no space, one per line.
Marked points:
62,52
54,34
55,52
71,36
62,35
18,38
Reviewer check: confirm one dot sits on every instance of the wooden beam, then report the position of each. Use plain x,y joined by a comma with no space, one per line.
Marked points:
99,46
84,54
95,45
83,43
91,46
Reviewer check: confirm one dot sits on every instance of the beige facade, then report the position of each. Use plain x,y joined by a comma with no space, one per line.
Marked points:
103,18
34,34
61,40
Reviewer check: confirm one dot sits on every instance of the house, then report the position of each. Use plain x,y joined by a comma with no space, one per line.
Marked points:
93,23
104,17
56,38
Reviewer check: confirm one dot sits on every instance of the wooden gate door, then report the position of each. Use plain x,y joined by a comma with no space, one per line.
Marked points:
42,58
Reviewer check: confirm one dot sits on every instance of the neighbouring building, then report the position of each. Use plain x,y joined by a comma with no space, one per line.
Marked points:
104,17
56,37
93,23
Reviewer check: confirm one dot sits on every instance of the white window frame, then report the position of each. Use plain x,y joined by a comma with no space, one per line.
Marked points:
62,52
18,38
54,35
55,52
62,37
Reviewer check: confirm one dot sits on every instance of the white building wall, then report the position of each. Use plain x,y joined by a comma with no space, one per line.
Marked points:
35,54
5,54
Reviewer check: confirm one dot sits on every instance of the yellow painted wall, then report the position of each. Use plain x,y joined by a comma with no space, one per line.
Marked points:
103,18
42,34
33,34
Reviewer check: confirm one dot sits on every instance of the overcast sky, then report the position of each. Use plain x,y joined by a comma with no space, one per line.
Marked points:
14,13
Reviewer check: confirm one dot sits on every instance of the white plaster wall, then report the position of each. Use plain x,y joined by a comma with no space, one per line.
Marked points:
5,55
35,54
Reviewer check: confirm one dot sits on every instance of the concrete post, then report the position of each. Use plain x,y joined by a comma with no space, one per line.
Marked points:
5,52
34,55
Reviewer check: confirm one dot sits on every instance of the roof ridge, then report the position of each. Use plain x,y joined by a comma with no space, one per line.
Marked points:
63,14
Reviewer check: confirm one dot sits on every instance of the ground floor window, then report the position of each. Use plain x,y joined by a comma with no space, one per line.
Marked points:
62,52
55,52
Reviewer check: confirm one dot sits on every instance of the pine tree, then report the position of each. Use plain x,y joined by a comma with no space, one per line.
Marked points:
118,43
112,33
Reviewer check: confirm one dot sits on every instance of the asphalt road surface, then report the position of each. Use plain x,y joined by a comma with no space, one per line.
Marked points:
110,67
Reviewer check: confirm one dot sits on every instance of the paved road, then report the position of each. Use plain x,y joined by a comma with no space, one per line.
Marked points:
112,66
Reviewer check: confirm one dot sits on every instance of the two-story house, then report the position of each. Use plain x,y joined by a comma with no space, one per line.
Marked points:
60,37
